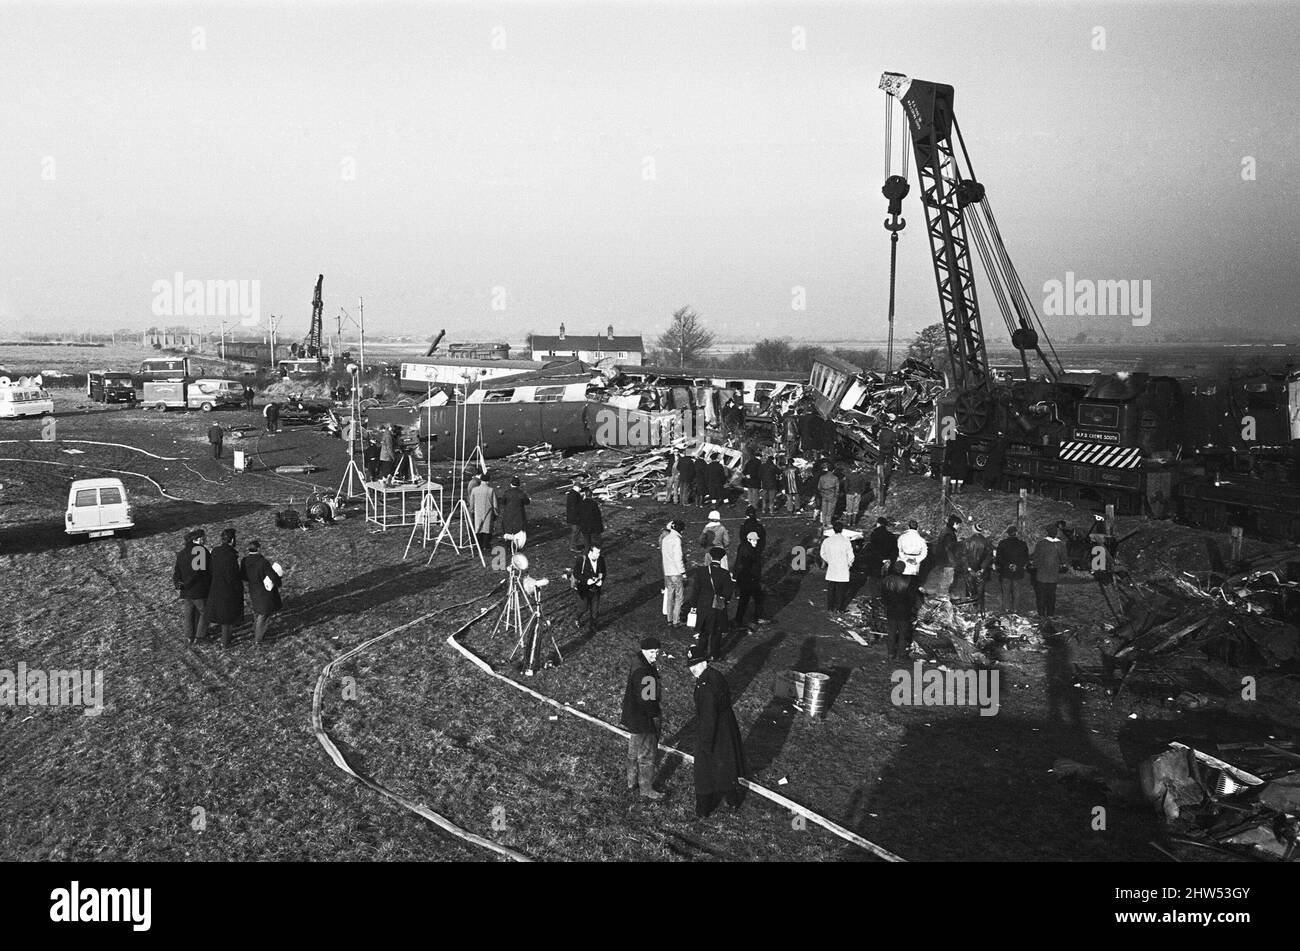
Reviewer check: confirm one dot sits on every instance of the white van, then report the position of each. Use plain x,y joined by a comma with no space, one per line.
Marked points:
97,507
24,398
207,395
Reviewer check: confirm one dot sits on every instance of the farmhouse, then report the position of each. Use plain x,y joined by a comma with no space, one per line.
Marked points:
589,349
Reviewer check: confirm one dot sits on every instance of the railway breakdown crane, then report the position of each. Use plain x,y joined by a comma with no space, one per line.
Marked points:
315,337
1215,452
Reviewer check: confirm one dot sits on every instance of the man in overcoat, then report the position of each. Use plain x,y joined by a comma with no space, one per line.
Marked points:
719,753
264,600
642,718
192,578
226,593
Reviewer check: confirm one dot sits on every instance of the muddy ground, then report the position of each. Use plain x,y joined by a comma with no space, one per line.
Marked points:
209,754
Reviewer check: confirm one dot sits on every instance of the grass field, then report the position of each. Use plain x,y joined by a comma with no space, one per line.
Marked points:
209,754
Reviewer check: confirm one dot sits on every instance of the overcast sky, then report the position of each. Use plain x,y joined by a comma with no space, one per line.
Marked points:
615,161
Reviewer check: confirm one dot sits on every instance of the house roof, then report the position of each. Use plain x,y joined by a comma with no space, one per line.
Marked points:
599,342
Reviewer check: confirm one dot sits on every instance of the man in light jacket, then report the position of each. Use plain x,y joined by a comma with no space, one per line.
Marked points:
912,550
674,561
837,553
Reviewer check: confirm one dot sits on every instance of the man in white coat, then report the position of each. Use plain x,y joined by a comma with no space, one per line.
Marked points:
837,553
912,550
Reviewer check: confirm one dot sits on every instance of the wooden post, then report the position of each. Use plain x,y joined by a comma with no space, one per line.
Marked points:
1236,534
946,489
1110,519
1022,512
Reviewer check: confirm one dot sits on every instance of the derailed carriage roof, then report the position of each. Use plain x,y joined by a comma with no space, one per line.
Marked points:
552,374
712,373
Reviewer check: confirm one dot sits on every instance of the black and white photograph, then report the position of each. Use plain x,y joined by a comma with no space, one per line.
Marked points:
666,431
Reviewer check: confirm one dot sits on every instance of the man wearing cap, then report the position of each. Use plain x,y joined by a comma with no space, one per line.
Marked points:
1010,559
192,579
882,552
751,478
590,522
215,436
977,551
572,504
642,718
947,558
1048,562
900,609
769,477
514,509
715,476
263,589
681,488
719,753
701,479
837,552
828,486
912,550
857,494
711,588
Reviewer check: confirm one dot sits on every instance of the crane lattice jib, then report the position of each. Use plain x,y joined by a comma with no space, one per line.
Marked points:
928,107
315,336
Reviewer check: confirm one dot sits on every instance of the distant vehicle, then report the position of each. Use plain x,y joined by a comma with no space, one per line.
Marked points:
110,386
205,395
98,508
165,368
24,398
304,369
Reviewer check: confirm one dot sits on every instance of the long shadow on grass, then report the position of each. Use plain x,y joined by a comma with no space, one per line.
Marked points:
154,519
738,680
361,593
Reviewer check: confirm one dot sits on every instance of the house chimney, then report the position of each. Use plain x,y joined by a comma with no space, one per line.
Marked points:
561,331
611,331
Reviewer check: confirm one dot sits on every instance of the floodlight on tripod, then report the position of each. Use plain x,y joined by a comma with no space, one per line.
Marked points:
524,594
353,471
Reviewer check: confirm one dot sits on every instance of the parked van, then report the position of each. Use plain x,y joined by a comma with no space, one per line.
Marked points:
97,508
24,398
110,386
165,368
206,395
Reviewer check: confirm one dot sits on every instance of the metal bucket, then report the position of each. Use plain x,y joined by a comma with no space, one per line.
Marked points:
815,692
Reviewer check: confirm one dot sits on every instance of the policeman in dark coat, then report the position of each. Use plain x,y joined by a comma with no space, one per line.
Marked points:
226,593
882,551
590,524
900,609
701,480
719,753
215,435
642,718
710,585
370,456
685,489
572,505
715,480
192,579
514,514
769,477
256,571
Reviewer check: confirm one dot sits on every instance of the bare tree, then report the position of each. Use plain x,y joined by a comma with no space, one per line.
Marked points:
685,340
